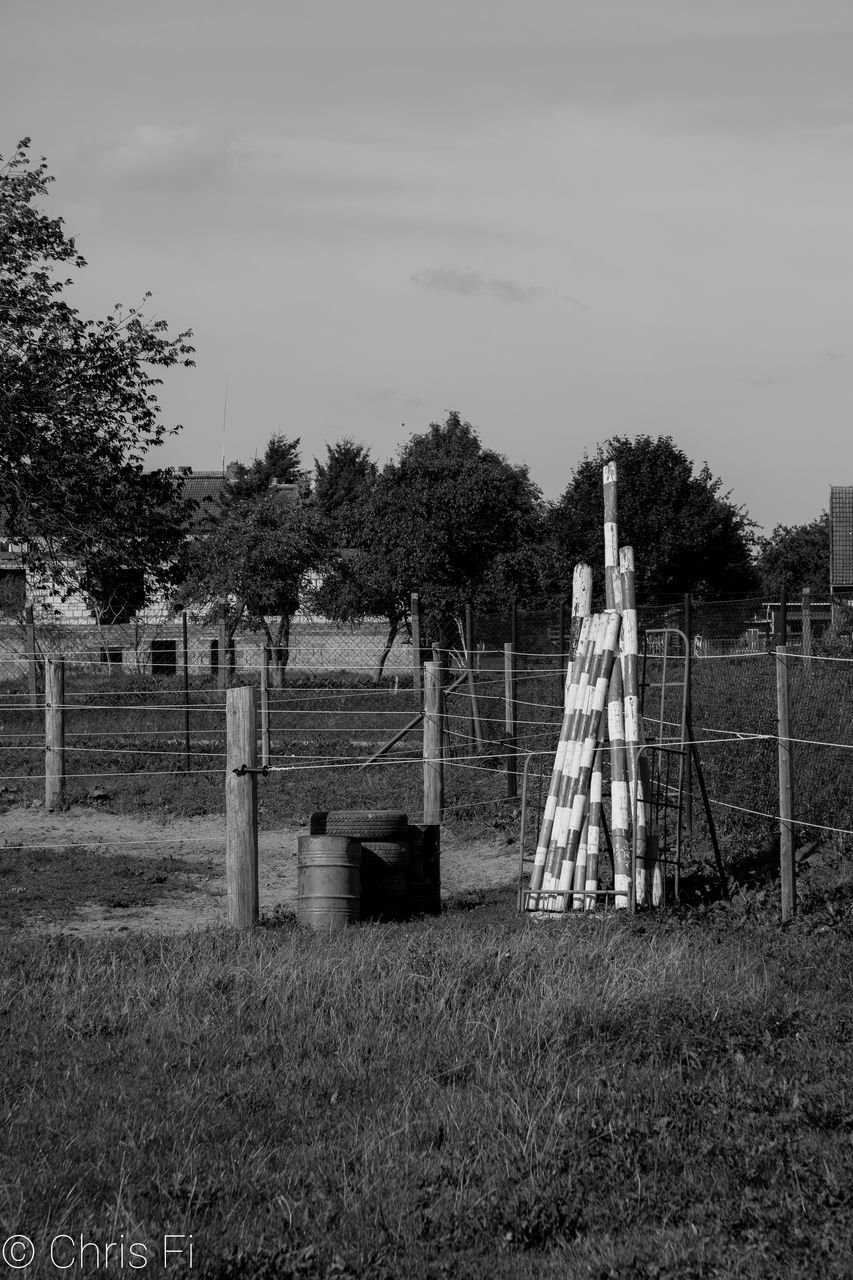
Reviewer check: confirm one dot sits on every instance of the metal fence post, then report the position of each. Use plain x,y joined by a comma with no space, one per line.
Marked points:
807,627
265,706
509,723
417,656
786,786
222,646
688,774
32,674
185,664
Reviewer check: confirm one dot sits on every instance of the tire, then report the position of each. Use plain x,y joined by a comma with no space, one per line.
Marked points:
368,824
317,823
384,881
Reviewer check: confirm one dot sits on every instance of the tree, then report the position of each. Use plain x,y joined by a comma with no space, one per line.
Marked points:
78,412
686,533
451,520
795,556
355,583
257,556
279,465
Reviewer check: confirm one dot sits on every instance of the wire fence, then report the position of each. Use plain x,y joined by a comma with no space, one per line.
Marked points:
142,741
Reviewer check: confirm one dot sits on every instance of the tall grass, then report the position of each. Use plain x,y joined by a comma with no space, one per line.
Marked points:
476,1096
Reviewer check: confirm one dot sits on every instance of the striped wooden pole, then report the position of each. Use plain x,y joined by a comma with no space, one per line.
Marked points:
571,760
580,866
634,736
612,585
593,838
581,601
568,844
571,694
620,825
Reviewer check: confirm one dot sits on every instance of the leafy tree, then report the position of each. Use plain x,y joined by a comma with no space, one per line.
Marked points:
78,414
257,556
452,520
279,465
795,556
686,533
355,583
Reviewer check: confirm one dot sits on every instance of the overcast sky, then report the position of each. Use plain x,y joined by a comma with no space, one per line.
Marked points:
567,219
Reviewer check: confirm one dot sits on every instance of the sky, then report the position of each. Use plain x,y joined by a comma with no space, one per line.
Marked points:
566,219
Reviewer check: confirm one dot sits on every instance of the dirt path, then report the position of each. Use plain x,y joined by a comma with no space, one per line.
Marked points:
199,843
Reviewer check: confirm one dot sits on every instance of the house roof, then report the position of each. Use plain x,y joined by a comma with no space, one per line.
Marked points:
205,488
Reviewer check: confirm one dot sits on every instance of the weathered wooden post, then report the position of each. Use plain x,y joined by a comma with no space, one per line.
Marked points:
54,733
222,646
185,666
241,808
509,722
433,746
265,706
786,786
783,616
32,678
415,614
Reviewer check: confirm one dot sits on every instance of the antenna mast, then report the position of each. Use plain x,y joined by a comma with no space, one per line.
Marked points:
224,420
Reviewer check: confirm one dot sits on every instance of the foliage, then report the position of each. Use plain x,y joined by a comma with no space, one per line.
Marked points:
687,535
356,582
79,410
796,556
451,520
256,556
278,466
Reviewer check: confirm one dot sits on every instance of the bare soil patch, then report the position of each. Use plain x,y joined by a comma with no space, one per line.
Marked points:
90,872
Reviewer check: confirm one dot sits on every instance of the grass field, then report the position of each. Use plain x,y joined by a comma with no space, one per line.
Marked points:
480,1095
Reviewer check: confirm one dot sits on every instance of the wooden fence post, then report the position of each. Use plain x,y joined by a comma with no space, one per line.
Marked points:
509,723
433,746
241,808
222,646
807,628
54,733
185,665
32,679
786,786
265,706
415,614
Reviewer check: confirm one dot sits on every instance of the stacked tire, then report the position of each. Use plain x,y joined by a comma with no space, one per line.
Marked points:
385,856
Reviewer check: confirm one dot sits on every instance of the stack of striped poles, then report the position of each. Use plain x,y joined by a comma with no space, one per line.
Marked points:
601,713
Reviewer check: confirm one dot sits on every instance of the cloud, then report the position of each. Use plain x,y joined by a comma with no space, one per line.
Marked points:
470,283
150,156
